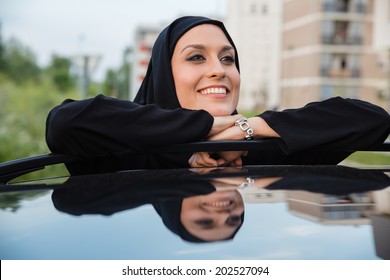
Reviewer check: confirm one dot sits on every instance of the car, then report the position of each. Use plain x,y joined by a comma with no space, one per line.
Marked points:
269,212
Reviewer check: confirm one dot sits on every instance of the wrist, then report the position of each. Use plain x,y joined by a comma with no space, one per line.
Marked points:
245,127
261,128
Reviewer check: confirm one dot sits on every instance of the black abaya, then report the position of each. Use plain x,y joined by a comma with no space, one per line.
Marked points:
111,128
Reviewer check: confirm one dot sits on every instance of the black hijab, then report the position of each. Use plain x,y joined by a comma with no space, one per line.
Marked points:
158,87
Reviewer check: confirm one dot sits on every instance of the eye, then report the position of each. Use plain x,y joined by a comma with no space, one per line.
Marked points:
196,58
205,223
228,59
233,221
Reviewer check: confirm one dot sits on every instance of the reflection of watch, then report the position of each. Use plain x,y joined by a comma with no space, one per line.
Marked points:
248,183
244,126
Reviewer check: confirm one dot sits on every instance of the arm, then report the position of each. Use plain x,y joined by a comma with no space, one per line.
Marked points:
335,123
102,126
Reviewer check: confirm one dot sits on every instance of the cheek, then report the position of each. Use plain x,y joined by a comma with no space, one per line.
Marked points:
185,85
236,80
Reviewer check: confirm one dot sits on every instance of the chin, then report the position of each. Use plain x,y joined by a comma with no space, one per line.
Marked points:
220,112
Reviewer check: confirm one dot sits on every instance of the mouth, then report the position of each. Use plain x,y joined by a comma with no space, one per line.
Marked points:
214,91
219,204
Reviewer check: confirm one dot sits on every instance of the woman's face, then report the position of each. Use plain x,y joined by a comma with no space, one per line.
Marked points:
212,217
204,71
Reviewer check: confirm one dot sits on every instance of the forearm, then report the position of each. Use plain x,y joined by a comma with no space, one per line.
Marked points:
335,123
101,126
261,128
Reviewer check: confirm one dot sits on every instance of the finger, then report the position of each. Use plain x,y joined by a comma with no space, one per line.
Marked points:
224,122
202,159
238,162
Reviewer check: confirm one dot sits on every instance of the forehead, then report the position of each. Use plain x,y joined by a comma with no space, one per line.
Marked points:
202,34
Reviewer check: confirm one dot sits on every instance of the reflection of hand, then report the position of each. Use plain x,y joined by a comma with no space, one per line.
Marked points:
232,158
237,182
204,159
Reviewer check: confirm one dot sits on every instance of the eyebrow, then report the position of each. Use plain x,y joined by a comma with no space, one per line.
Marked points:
202,47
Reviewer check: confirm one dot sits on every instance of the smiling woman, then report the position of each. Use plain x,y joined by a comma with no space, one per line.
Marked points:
205,73
189,94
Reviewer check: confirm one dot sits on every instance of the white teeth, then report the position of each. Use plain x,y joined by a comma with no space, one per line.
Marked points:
214,91
219,203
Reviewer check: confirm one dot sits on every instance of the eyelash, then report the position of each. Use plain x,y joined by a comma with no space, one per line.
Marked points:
196,57
228,59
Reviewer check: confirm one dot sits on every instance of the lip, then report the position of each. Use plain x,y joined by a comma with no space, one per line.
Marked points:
215,91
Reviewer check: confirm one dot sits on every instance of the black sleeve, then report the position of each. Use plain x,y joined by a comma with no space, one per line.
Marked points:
104,126
335,123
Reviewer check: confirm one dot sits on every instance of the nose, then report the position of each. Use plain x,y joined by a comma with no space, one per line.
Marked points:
216,69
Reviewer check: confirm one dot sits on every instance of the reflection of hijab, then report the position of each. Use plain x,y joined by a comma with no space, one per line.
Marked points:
158,87
169,211
107,194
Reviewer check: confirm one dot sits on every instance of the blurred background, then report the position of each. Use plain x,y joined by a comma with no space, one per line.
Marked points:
291,52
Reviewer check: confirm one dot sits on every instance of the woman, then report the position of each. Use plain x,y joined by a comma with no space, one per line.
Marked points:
190,94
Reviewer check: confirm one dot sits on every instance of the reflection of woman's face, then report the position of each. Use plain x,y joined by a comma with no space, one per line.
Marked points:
212,217
204,71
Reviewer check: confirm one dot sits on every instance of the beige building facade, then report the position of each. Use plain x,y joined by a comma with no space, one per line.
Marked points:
328,51
255,28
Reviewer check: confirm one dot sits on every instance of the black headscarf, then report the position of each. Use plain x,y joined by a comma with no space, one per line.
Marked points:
158,87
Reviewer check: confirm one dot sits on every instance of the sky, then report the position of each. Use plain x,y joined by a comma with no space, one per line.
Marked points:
97,27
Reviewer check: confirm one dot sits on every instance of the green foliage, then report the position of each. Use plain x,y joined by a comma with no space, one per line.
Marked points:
19,62
23,115
60,74
12,201
2,51
369,158
27,94
117,81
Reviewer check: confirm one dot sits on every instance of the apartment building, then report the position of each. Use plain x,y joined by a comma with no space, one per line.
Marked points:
328,51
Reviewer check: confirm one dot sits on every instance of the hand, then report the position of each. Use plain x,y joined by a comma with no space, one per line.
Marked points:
260,127
204,159
222,123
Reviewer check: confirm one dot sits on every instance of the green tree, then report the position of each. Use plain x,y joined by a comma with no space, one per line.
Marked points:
59,72
110,85
2,50
19,62
117,82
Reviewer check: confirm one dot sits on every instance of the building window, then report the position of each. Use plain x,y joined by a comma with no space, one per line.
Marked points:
355,33
253,8
264,9
345,6
360,6
341,32
340,65
340,6
328,91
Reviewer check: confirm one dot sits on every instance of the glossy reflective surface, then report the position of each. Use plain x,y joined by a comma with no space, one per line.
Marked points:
324,212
